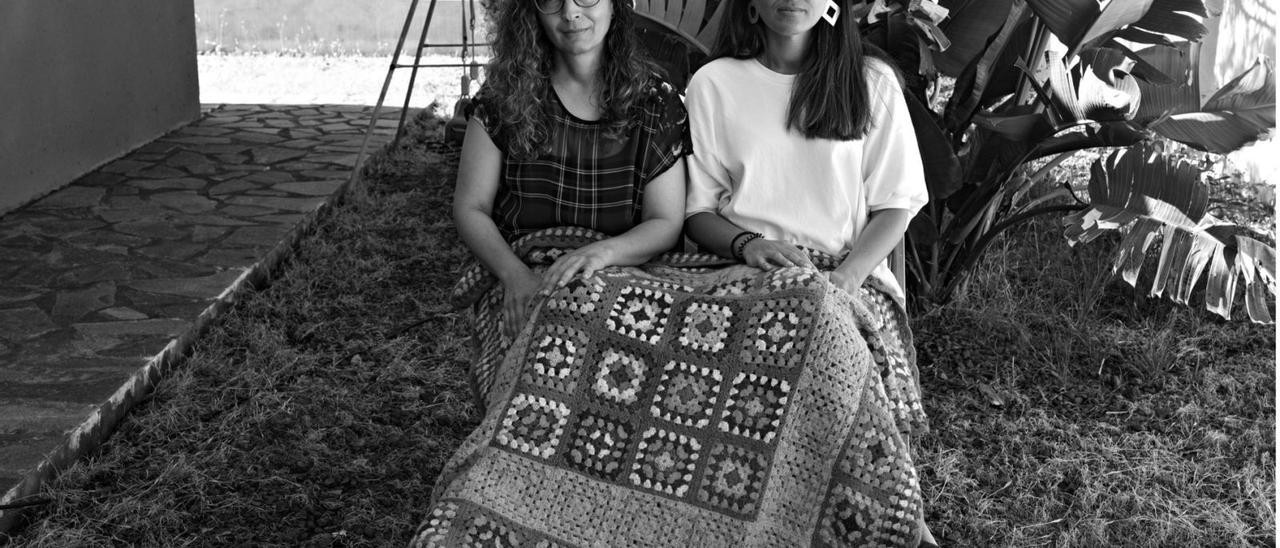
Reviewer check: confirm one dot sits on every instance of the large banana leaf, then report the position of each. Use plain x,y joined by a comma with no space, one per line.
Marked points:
1166,78
991,73
941,167
1077,23
1169,23
1100,89
1238,114
970,24
1106,88
1143,191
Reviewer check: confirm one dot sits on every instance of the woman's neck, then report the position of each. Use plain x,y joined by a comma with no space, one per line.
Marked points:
581,69
576,80
785,54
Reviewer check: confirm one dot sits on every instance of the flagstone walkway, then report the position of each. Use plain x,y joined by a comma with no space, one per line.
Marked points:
105,281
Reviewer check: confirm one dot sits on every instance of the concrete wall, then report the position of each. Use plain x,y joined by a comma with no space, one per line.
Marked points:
84,81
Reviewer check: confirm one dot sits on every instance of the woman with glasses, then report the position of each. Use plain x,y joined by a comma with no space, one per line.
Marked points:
572,128
827,162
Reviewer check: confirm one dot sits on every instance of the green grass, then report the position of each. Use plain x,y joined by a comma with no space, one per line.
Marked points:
1065,412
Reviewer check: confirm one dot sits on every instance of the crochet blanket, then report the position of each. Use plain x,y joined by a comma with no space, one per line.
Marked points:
675,404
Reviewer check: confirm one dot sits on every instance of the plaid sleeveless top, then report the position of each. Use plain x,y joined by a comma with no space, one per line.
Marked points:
587,179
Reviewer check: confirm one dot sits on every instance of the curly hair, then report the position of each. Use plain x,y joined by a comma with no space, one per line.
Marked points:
836,60
518,77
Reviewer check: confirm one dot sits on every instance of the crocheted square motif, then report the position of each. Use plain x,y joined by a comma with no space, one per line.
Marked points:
686,394
734,479
777,332
599,446
533,425
658,282
735,288
853,518
881,462
484,532
872,500
788,278
580,295
618,377
706,326
640,313
754,406
438,525
556,358
665,462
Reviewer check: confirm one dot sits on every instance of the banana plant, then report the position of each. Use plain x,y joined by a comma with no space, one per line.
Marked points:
1142,191
1037,81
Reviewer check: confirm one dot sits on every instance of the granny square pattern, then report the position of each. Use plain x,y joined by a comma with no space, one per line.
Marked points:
619,376
675,405
580,295
734,480
485,532
687,394
556,358
729,288
533,425
599,446
706,326
755,406
776,331
665,462
874,477
788,278
641,313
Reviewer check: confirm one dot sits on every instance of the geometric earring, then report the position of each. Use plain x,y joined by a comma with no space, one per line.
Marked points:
832,13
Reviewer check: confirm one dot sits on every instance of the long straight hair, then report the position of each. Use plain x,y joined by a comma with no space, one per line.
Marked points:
830,98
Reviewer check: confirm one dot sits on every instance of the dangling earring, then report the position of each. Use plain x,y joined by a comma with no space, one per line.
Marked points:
832,13
753,15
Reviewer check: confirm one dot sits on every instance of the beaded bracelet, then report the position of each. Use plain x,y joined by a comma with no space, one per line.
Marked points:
736,247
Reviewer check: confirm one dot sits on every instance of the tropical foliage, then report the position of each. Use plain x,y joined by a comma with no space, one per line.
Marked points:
1037,81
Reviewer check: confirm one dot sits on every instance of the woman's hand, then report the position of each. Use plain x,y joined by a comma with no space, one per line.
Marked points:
846,280
517,297
585,260
770,254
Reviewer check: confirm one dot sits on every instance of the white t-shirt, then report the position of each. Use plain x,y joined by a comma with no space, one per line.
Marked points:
764,177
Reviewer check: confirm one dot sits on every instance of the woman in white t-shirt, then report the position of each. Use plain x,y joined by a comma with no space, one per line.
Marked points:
801,140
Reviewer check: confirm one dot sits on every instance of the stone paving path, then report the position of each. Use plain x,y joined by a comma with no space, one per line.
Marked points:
97,278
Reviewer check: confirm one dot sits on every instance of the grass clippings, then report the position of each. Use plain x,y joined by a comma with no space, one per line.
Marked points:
1065,410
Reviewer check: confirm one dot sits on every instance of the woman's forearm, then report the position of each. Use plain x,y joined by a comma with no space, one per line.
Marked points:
712,232
644,241
481,235
884,230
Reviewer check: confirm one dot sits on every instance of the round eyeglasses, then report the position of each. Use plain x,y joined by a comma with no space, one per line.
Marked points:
554,6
